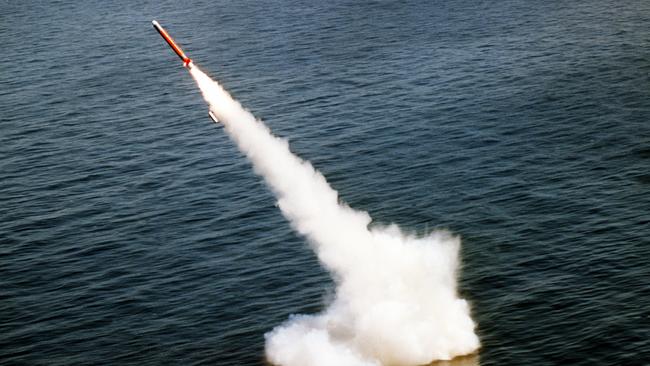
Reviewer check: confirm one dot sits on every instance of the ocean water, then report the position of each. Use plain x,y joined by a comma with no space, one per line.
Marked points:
132,231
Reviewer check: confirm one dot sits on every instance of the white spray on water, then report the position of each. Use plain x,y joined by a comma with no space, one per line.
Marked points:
395,302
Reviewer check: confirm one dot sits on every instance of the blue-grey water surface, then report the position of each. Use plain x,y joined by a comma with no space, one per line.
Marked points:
133,232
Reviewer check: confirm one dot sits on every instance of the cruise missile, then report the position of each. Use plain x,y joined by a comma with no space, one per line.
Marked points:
186,60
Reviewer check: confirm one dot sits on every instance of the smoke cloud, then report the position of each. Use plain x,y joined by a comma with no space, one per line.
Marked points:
395,302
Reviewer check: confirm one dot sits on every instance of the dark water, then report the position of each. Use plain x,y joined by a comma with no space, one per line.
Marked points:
133,232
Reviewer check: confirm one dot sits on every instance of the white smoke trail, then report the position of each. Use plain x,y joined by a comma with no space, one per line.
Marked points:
396,301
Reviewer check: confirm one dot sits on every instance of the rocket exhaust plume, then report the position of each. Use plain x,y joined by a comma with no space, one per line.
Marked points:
395,302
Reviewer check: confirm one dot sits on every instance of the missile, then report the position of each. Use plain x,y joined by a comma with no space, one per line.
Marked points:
186,60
